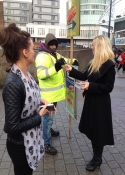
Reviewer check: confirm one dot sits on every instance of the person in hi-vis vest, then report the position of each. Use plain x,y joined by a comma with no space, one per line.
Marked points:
51,82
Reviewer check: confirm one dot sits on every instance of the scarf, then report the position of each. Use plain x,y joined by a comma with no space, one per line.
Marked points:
33,138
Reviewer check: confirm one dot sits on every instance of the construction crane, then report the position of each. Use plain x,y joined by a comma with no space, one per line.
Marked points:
114,2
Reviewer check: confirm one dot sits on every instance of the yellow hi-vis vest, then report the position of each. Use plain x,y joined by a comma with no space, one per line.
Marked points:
51,82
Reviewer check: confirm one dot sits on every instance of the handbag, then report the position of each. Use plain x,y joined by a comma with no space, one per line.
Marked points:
119,58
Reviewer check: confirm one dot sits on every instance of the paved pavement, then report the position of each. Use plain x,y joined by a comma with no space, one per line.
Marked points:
74,153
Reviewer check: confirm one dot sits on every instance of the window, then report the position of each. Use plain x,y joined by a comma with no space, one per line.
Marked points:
94,1
38,9
39,16
5,4
53,31
23,18
54,3
120,25
55,10
87,12
46,10
46,2
41,31
48,23
53,17
34,1
16,12
14,5
38,1
23,5
46,17
22,24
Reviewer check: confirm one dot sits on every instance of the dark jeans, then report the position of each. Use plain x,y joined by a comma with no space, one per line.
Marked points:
18,156
47,122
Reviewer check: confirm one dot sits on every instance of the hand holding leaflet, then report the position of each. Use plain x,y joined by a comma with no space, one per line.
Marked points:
83,85
79,85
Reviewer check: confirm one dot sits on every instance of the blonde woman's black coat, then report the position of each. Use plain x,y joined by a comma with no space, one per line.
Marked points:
96,118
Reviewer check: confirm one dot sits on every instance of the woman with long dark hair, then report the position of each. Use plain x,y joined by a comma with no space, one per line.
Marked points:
22,102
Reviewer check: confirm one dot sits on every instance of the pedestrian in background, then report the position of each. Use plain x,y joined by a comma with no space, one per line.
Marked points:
51,79
122,62
22,102
117,53
96,118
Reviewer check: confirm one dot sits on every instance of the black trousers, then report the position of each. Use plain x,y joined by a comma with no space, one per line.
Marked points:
121,66
18,156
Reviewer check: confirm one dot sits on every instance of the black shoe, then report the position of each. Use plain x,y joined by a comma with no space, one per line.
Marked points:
89,163
54,133
50,150
92,165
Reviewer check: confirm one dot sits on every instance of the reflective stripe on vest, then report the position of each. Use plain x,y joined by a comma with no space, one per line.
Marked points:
52,89
39,67
45,69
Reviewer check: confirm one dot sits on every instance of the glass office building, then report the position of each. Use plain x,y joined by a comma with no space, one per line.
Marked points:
94,18
91,10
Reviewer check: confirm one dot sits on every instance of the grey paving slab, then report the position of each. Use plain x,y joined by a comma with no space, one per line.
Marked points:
73,154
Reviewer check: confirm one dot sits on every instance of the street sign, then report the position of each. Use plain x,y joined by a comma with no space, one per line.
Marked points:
73,18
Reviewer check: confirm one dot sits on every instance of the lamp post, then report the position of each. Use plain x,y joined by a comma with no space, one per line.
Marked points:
109,18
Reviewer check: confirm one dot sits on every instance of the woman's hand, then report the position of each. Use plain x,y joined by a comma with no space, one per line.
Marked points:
84,85
44,111
67,67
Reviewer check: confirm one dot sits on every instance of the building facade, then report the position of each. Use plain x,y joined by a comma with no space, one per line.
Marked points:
18,12
38,33
91,10
90,13
46,12
39,12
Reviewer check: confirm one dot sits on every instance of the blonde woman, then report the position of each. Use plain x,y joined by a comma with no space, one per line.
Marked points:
96,118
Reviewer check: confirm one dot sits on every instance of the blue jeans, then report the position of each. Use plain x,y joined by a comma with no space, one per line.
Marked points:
47,122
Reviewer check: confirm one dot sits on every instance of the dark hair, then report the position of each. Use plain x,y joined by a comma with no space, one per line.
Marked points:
13,40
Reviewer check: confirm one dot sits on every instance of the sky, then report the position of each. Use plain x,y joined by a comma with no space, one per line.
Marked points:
119,7
62,11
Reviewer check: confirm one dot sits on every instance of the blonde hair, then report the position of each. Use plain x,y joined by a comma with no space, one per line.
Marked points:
102,53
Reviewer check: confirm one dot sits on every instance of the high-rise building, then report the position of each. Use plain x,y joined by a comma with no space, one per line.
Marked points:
91,10
46,12
94,17
19,12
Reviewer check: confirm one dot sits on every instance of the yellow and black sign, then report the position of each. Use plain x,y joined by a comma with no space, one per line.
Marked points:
73,18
